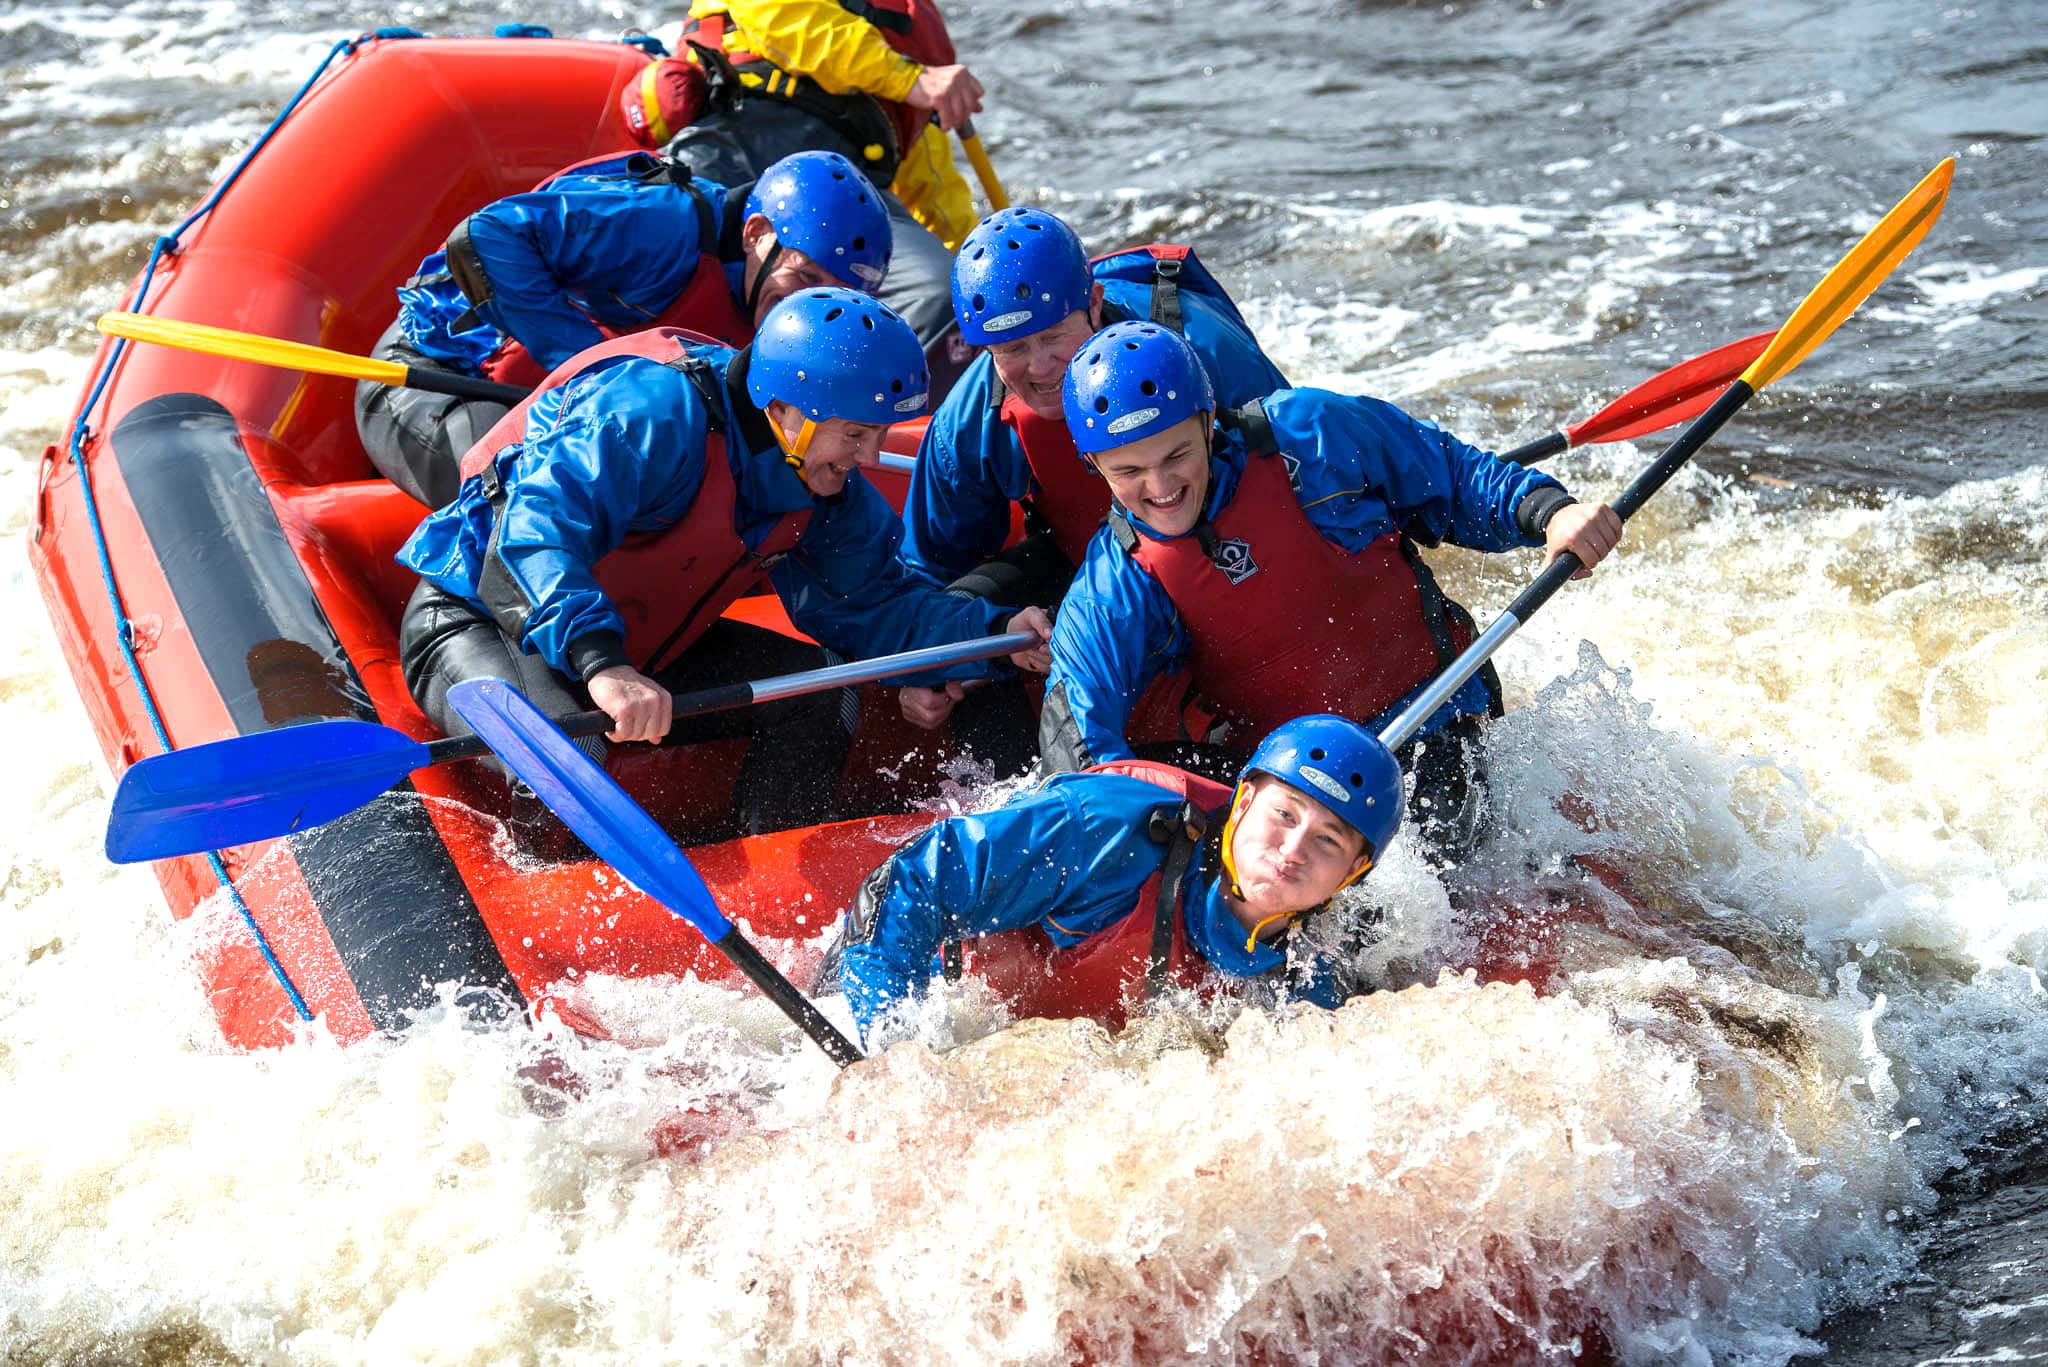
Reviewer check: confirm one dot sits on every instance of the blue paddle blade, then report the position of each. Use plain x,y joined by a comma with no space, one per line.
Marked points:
588,800
256,787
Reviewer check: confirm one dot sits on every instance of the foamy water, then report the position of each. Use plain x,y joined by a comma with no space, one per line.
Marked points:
1809,734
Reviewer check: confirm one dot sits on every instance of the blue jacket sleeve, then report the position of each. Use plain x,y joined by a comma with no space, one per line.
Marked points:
623,451
1116,632
847,586
619,247
1367,468
958,511
1076,849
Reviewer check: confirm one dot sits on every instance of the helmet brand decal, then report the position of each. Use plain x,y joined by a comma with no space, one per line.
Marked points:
911,404
1234,558
1003,322
1136,418
871,274
1323,782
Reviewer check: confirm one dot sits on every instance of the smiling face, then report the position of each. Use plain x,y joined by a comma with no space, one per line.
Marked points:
1033,367
836,448
1290,852
791,272
1163,478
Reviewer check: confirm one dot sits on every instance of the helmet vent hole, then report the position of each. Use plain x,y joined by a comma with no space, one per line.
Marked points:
1013,244
896,387
859,243
1130,346
979,303
832,314
1036,227
1102,405
1357,781
1023,291
1317,753
1148,389
867,322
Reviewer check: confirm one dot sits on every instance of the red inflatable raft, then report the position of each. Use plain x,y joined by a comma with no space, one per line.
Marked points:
251,549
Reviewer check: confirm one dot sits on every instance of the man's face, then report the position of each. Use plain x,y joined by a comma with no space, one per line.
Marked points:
837,447
791,272
1034,367
1291,852
1163,478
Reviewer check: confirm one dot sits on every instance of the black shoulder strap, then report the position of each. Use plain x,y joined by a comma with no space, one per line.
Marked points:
1186,828
704,380
1166,292
1120,527
1253,427
892,20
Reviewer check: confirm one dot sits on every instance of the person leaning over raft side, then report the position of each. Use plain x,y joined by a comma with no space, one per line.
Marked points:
606,248
1084,864
1024,289
604,525
874,80
1273,552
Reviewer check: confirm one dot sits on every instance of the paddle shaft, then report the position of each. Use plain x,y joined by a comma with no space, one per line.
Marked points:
435,381
739,951
725,697
1556,574
984,169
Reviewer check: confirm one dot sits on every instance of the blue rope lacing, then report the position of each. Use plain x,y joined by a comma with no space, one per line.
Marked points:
167,245
124,626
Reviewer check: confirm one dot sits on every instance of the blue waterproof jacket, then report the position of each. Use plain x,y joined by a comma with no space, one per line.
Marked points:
971,466
1071,856
1361,468
620,448
600,244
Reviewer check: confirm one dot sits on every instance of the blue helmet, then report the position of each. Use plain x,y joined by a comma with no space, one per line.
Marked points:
835,353
821,205
1019,272
1341,765
1129,381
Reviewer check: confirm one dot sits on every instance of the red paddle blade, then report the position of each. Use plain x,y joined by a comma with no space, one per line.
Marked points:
1669,398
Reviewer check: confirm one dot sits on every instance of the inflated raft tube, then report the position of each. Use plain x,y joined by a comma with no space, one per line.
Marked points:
251,550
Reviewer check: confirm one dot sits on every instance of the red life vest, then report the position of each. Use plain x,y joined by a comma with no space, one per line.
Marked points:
914,28
672,584
1071,500
705,306
1285,622
1096,977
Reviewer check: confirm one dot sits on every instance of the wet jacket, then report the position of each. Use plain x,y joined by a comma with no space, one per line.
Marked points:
619,448
971,465
832,45
1362,472
601,246
1071,858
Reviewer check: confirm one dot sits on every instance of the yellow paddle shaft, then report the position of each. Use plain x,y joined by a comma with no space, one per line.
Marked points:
984,169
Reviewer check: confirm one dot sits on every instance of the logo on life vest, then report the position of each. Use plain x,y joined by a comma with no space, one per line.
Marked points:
1292,463
1003,322
1329,786
1234,558
1136,418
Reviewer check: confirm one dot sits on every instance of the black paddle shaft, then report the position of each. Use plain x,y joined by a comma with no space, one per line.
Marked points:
740,951
1639,492
435,381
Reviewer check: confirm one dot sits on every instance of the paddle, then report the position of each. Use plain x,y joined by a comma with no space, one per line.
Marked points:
1826,308
273,783
1663,400
274,351
626,837
984,169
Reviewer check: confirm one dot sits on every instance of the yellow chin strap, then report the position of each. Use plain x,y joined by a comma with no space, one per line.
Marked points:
1232,887
793,451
